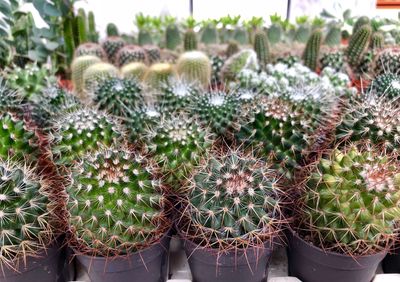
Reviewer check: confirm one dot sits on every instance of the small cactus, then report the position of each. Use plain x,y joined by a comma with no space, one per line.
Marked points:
135,70
261,47
144,38
190,40
153,53
377,41
334,60
209,35
358,44
92,49
333,37
311,52
111,46
361,21
302,33
177,96
245,59
274,33
240,36
172,37
159,74
78,67
217,63
194,66
387,84
129,54
232,48
97,72
387,61
112,30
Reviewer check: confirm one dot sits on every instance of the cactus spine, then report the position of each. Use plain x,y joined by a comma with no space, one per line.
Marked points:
311,52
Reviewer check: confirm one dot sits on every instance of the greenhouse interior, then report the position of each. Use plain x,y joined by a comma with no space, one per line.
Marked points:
200,141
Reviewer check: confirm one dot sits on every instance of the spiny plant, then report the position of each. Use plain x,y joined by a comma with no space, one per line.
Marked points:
177,144
25,214
144,24
78,67
358,44
275,31
333,37
216,66
352,201
377,40
92,49
158,74
97,72
288,60
190,40
116,203
139,121
153,53
311,52
194,66
387,84
233,202
117,96
387,60
334,60
172,37
111,46
232,48
129,54
261,47
177,96
209,34
245,59
81,131
135,70
302,33
361,21
371,118
112,30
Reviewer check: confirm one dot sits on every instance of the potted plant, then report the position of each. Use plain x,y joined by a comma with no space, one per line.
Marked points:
346,219
230,218
118,221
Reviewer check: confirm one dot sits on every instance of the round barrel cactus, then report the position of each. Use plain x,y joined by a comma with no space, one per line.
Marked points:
136,70
111,45
92,49
387,84
177,95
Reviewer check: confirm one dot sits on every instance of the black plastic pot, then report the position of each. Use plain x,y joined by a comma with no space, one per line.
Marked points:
248,265
391,263
47,267
312,264
148,265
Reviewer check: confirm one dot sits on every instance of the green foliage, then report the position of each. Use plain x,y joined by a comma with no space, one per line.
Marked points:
311,52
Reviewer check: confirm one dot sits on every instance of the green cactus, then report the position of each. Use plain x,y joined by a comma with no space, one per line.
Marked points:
334,36
361,21
172,37
81,24
129,54
115,203
134,70
25,214
288,60
377,41
194,66
112,30
93,35
140,121
81,131
92,49
334,60
302,33
230,197
311,52
111,45
97,72
68,36
153,53
78,67
145,38
387,84
159,74
352,201
209,34
387,60
274,33
190,40
232,48
245,59
177,96
358,44
366,63
177,144
261,46
216,66
240,36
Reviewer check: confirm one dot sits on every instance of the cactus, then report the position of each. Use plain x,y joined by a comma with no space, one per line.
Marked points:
274,33
387,84
374,119
177,144
216,66
377,41
129,54
333,37
144,38
217,110
115,203
311,52
111,46
172,37
81,131
365,65
194,66
92,49
97,72
334,60
358,44
153,53
245,59
352,201
78,67
240,36
361,21
112,30
209,35
288,60
25,214
302,33
134,70
81,26
140,121
232,48
93,35
233,201
261,46
190,40
177,96
387,60
68,36
159,74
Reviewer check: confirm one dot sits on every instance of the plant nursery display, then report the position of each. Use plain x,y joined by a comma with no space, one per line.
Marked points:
235,137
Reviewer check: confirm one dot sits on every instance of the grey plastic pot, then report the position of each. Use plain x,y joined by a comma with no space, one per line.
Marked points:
312,264
48,266
147,265
248,265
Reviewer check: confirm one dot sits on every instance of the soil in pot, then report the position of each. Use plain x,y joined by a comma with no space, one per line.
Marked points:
48,266
147,265
312,264
207,265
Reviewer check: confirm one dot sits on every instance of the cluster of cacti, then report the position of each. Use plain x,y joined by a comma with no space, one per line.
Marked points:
353,200
334,60
194,66
387,84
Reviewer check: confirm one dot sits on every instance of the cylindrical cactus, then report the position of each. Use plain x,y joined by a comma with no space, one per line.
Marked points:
134,70
25,214
377,41
190,40
352,201
78,67
302,33
129,54
361,21
334,36
92,49
172,37
111,46
274,33
261,47
240,36
194,66
245,59
311,52
144,38
116,204
93,35
81,26
159,74
358,44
